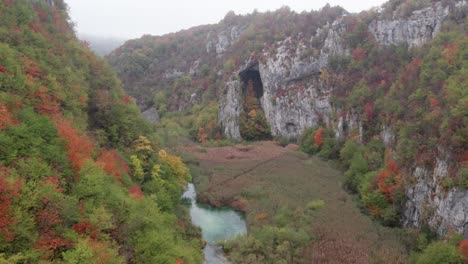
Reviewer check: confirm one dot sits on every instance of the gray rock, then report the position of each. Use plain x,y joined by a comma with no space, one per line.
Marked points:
230,106
151,115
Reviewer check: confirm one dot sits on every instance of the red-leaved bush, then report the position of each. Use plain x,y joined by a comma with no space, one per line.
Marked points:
389,180
79,147
6,118
8,192
318,137
48,220
464,249
135,192
46,103
113,163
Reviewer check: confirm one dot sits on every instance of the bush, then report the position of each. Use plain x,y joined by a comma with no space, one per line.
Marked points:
438,252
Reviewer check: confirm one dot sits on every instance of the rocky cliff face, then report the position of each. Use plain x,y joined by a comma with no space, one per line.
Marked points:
296,96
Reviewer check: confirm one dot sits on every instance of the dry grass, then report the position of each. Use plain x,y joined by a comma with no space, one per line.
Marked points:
264,177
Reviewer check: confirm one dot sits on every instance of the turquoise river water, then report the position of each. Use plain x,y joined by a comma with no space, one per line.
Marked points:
217,224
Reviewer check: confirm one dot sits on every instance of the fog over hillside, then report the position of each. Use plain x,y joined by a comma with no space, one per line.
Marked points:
102,45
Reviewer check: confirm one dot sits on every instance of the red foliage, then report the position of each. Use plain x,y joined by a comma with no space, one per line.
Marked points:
127,99
358,54
434,103
318,137
450,52
205,85
79,147
412,72
389,180
42,15
48,220
135,192
46,103
6,118
85,228
3,69
31,69
464,249
113,163
179,261
34,27
369,111
8,192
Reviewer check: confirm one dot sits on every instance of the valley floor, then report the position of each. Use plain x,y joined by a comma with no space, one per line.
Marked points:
262,177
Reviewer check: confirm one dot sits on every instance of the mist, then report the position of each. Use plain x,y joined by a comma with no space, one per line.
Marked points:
126,19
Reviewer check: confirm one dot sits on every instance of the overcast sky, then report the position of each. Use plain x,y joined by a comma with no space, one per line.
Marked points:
133,18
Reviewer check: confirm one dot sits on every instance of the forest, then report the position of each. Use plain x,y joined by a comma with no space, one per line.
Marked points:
81,177
85,177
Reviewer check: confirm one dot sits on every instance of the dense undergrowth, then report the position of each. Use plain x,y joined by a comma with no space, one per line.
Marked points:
81,179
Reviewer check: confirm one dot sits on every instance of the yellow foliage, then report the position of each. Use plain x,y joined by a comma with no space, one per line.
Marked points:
261,216
137,167
142,144
175,165
253,113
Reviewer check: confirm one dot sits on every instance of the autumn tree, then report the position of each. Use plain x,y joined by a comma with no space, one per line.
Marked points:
113,163
318,137
6,117
8,192
79,147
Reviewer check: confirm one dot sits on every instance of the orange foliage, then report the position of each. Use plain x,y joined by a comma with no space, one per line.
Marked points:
8,192
6,118
135,192
79,147
47,104
464,249
261,216
389,180
85,228
179,261
434,102
113,163
201,137
127,99
318,137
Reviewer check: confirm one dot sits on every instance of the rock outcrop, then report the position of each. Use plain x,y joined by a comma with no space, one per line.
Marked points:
422,26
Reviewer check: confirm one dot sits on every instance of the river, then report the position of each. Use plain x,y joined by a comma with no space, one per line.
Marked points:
216,224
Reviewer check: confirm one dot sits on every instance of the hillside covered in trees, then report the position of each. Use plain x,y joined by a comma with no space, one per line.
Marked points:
383,91
81,179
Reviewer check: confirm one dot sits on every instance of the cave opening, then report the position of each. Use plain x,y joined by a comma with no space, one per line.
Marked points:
253,123
252,77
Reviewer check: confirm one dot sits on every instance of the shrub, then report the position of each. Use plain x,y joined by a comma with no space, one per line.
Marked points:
438,252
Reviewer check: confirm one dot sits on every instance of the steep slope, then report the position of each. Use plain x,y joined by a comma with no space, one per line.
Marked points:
80,182
387,84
